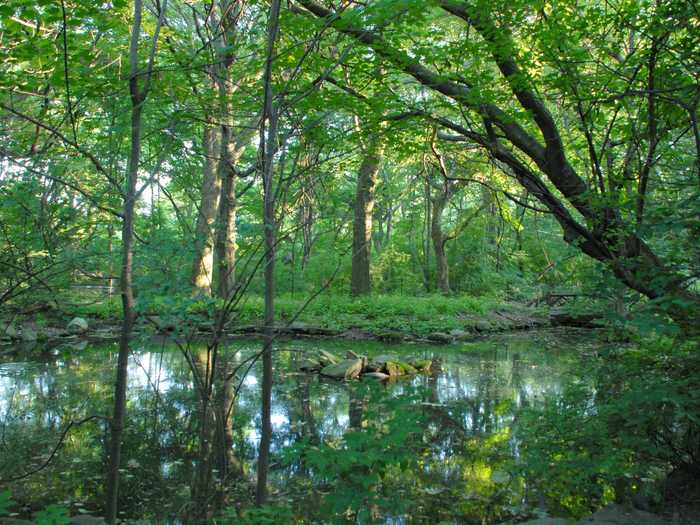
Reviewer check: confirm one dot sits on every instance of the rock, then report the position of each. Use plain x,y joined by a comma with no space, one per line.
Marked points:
580,320
14,521
422,365
440,337
8,330
78,325
373,367
408,369
352,355
621,515
29,334
310,365
384,358
482,325
390,336
76,346
376,375
459,334
86,519
546,521
393,369
356,335
326,358
298,326
347,369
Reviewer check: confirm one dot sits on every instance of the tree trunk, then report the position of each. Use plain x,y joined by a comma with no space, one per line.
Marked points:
138,98
362,226
128,303
268,143
201,484
225,249
110,253
442,278
229,466
203,263
306,217
226,223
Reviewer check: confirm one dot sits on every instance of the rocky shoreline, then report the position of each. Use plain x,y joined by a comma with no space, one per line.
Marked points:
28,332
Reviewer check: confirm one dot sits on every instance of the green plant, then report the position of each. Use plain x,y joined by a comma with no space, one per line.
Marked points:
383,441
6,502
265,515
52,515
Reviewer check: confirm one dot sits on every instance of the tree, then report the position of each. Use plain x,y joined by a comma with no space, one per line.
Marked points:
517,127
139,86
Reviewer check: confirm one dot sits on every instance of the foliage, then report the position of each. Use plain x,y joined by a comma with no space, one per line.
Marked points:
52,515
354,470
6,502
264,515
617,428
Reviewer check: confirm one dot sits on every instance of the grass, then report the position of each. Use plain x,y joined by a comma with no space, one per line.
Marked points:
376,314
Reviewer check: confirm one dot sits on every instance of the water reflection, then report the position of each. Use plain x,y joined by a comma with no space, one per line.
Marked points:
467,404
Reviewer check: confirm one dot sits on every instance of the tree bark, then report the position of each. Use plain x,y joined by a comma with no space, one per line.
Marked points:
442,276
203,263
268,146
362,225
138,98
203,363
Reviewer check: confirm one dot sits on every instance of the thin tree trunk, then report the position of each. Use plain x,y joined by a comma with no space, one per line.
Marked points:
226,224
268,139
362,225
306,216
226,237
203,263
426,234
442,276
110,252
138,97
229,466
201,485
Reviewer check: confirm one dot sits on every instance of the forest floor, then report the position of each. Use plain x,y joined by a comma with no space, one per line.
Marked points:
436,319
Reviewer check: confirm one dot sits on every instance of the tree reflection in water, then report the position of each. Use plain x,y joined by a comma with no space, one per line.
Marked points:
179,450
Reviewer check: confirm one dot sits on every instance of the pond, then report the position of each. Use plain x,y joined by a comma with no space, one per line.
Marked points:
426,448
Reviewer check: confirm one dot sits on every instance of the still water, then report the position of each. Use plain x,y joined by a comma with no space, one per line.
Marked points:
426,448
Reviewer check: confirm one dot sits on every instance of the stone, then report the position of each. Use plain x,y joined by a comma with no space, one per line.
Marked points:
346,369
546,521
620,515
14,521
29,334
440,337
310,365
78,325
422,365
376,375
393,369
482,325
352,355
390,336
326,358
562,317
374,367
384,358
298,326
459,334
8,330
356,335
408,369
86,519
